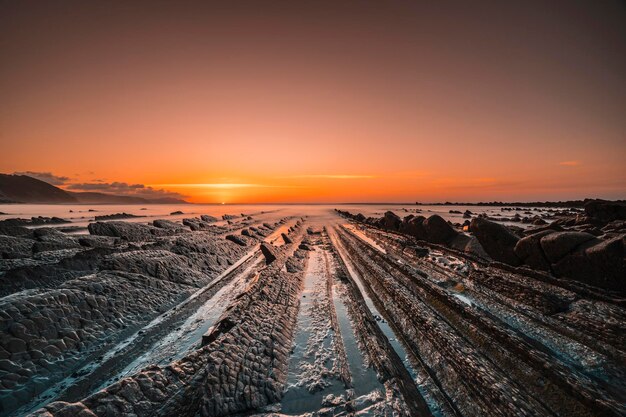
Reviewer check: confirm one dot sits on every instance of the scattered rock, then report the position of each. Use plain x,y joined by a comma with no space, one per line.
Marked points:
438,230
469,245
237,239
116,216
166,224
529,250
391,221
269,252
556,245
606,211
497,240
414,226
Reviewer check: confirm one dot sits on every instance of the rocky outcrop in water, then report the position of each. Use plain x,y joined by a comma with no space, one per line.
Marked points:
116,216
33,221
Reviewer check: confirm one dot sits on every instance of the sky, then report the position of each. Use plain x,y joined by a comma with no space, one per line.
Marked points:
317,101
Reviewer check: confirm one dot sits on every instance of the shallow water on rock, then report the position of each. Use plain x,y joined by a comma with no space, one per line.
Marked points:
178,343
311,376
364,378
421,380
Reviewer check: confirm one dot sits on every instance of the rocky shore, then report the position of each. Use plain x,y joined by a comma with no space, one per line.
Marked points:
332,313
584,246
63,308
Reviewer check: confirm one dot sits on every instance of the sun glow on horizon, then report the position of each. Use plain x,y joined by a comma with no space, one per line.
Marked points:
391,102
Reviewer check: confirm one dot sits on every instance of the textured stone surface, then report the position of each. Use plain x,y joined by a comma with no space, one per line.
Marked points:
498,241
242,367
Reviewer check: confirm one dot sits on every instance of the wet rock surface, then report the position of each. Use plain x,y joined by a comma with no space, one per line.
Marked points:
87,293
241,366
588,249
517,336
354,315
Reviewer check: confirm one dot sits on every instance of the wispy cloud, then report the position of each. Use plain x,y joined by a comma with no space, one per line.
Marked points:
225,185
331,176
48,177
569,163
123,188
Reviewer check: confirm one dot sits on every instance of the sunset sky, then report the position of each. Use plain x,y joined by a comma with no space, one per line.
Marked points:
314,101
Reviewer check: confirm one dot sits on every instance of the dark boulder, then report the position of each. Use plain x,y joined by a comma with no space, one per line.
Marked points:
438,230
237,239
195,224
497,240
528,249
608,257
391,221
556,245
415,227
116,216
469,245
166,224
208,219
405,222
596,263
268,252
606,211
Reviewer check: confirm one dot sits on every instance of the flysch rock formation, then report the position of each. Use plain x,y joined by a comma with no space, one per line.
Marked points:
241,366
81,295
332,314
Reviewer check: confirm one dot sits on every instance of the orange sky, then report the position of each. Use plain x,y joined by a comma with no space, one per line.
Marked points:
319,101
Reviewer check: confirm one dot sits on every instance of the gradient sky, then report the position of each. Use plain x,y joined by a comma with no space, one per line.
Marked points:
289,101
